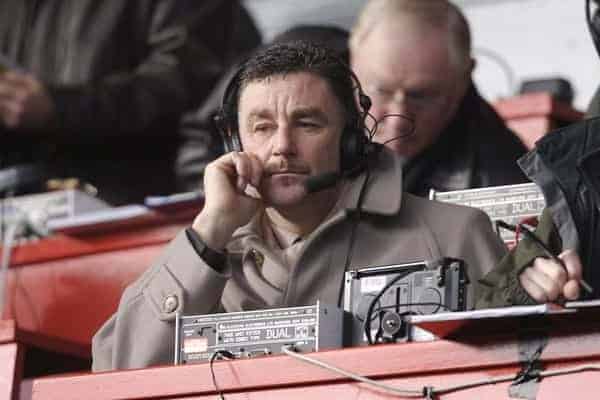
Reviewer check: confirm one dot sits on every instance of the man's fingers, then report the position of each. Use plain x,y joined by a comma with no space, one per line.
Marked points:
532,288
257,170
11,113
243,170
10,91
249,169
571,290
572,264
548,275
16,78
551,269
547,280
15,90
5,90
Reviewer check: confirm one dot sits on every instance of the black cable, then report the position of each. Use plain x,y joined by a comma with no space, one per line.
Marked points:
501,62
431,392
361,196
406,117
540,243
370,135
371,132
223,354
368,319
356,221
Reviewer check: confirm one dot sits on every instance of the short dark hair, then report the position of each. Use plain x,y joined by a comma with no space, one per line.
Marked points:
295,57
332,37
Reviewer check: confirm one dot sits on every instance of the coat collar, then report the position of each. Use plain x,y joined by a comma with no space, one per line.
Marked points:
384,192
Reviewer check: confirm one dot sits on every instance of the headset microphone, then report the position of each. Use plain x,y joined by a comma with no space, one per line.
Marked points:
326,180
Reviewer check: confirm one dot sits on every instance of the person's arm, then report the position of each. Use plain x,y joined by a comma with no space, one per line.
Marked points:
141,332
526,276
186,45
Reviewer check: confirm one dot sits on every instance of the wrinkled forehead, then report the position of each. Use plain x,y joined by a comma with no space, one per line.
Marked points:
407,48
287,92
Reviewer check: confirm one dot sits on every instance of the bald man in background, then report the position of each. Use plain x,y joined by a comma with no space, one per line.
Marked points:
413,58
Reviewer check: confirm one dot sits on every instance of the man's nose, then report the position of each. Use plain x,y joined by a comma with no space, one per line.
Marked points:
399,117
401,122
283,141
397,111
396,103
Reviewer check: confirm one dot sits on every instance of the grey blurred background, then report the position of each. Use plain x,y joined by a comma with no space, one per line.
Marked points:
514,40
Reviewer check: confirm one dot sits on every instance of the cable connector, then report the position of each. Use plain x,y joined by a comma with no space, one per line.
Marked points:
289,347
225,354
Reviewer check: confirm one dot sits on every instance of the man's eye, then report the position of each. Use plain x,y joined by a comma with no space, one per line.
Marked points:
423,96
262,128
380,91
384,92
308,124
417,95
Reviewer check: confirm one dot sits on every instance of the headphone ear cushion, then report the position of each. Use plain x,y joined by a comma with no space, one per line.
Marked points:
352,148
227,145
365,102
231,142
231,139
234,139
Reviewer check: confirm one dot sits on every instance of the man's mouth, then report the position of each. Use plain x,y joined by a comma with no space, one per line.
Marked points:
285,167
287,172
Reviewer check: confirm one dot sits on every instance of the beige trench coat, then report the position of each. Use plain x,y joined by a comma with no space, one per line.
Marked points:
394,228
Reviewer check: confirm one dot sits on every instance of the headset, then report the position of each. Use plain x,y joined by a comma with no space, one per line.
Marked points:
356,143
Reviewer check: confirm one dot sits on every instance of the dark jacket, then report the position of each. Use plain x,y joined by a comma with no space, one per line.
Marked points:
120,73
476,150
566,166
594,106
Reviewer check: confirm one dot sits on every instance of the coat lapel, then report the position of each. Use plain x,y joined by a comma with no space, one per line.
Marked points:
319,273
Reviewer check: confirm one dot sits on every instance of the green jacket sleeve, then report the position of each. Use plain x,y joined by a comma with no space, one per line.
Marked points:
501,287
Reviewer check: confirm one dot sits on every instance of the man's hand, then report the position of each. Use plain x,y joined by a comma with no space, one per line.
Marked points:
228,202
546,280
24,101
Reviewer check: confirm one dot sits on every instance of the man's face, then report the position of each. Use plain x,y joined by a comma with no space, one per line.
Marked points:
408,70
293,123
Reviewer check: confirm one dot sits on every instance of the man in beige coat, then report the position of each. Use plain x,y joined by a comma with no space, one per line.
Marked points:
262,239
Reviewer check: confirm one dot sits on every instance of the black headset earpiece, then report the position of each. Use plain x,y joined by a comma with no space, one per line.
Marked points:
364,100
354,139
226,118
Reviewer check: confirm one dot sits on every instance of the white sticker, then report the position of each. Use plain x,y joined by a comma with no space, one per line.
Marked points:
372,284
195,345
